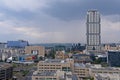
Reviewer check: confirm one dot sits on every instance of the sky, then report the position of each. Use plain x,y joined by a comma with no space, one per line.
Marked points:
56,21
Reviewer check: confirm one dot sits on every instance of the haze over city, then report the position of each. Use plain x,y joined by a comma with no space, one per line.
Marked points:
56,21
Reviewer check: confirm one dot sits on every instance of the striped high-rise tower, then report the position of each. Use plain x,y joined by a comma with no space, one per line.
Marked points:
93,31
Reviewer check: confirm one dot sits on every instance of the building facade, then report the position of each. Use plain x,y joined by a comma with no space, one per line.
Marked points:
55,64
93,31
61,55
36,50
17,44
114,58
55,75
81,58
6,71
81,71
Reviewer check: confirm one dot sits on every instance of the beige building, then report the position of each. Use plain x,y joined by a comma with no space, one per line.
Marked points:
81,71
55,64
53,75
108,47
106,76
38,50
46,75
54,69
61,55
105,73
66,65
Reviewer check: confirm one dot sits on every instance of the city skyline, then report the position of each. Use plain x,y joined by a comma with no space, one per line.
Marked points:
44,21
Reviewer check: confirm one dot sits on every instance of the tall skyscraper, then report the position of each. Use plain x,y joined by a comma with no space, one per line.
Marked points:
93,31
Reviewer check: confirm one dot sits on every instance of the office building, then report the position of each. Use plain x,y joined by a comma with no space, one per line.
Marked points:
114,58
93,31
80,71
56,64
17,44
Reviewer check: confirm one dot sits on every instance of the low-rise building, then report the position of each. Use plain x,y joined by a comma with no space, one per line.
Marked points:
47,75
81,70
61,55
56,64
104,73
37,50
106,76
81,58
113,46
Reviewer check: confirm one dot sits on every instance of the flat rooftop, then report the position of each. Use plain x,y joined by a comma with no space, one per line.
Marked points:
56,61
81,65
45,73
4,65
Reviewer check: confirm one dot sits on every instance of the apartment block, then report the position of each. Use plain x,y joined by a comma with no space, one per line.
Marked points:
6,71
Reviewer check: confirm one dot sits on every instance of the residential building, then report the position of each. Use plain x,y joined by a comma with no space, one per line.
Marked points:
8,52
93,31
6,71
3,45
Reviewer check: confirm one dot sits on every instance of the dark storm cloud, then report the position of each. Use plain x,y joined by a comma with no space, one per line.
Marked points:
56,20
77,9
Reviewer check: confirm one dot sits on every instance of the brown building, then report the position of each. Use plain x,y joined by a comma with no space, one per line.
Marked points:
61,55
37,50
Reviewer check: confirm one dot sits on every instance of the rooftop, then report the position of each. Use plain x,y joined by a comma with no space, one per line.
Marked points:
56,61
45,73
4,65
80,65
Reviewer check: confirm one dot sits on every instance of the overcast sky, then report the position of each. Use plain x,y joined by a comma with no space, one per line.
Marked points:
61,21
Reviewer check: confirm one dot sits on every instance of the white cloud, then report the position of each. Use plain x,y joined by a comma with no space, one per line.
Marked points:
45,28
110,28
20,5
